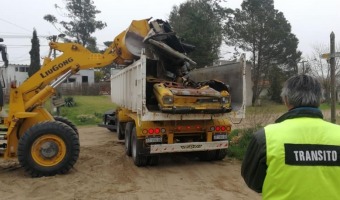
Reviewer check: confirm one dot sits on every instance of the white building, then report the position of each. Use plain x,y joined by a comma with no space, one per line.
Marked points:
82,76
19,73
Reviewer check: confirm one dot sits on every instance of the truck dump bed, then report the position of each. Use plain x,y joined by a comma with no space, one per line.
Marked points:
131,89
158,85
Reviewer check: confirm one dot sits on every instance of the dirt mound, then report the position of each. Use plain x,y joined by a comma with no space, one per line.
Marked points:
103,171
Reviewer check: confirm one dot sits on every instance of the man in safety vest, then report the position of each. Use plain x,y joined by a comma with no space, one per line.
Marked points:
298,157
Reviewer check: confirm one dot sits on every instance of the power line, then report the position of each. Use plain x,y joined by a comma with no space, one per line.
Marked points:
22,36
15,25
24,45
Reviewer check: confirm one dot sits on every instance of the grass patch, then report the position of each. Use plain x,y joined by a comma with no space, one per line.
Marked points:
87,110
266,108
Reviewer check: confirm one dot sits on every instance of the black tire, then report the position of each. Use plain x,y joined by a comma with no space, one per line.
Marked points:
207,155
35,149
108,115
120,130
1,96
221,154
136,147
67,122
153,160
128,130
111,130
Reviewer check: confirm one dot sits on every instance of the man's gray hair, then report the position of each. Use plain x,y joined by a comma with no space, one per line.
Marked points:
302,90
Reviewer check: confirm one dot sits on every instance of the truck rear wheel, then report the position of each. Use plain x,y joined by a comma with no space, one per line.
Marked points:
153,160
128,130
221,153
136,147
48,148
207,155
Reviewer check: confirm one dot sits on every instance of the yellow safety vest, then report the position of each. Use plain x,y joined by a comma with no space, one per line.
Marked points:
303,159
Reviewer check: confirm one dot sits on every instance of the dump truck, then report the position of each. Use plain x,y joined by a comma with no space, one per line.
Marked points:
161,108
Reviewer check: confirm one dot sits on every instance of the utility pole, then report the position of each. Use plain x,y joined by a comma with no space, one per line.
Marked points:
303,66
332,66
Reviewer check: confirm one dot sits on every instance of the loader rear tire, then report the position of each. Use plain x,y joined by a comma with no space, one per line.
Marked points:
48,148
128,130
67,122
137,146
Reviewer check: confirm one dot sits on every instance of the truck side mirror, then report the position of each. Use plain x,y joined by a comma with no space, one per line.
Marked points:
1,40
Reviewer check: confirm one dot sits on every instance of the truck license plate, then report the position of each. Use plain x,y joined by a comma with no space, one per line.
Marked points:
153,140
220,137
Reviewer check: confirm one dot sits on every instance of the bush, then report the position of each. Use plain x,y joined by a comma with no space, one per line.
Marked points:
239,140
69,102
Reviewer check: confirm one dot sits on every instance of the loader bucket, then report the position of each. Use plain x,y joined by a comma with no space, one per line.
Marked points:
232,74
135,35
124,56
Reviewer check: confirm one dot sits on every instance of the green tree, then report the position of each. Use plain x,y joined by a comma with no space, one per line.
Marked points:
278,76
35,55
199,22
98,75
82,21
264,31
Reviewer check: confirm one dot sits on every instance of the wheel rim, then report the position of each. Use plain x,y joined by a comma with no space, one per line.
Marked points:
48,150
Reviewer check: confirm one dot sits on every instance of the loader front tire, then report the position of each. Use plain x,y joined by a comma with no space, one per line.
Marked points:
48,148
67,122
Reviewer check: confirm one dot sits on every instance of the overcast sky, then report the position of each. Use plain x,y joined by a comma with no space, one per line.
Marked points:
312,21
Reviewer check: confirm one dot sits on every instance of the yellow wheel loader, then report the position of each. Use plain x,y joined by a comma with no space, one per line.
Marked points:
47,145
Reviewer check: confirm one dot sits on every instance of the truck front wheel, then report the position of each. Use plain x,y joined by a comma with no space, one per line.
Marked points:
48,148
137,146
120,130
128,130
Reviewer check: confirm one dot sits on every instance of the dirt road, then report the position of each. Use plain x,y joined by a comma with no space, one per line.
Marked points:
103,171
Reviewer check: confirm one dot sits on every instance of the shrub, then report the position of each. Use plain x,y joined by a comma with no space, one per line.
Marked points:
69,101
239,141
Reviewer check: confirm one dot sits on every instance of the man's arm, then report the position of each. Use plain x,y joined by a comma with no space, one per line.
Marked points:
254,165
